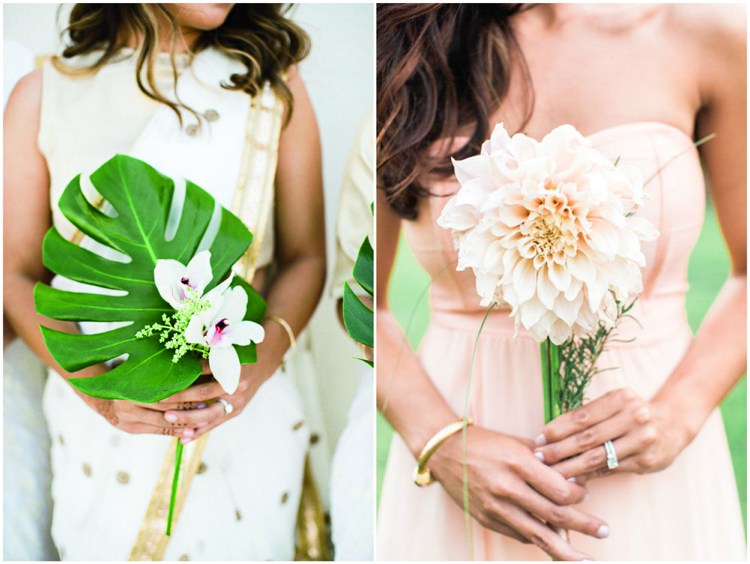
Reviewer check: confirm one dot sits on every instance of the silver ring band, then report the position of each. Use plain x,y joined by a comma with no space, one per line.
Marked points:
612,461
228,408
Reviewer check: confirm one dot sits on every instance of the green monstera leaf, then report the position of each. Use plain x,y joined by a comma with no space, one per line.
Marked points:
141,198
358,318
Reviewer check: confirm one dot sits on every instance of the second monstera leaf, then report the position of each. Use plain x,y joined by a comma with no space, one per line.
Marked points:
142,200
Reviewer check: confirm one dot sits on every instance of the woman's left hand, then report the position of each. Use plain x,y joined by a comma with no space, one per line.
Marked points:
198,407
647,437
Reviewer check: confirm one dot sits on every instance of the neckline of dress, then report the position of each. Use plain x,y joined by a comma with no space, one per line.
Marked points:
641,125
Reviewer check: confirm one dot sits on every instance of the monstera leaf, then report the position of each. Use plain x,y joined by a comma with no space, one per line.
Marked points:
358,318
141,198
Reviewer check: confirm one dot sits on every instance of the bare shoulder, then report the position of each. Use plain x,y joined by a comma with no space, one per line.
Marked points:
715,29
26,96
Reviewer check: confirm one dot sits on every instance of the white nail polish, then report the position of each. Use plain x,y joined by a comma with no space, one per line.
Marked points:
572,480
602,532
540,456
540,440
586,497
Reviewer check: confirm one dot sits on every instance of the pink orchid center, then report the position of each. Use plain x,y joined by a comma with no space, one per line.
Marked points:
215,335
185,282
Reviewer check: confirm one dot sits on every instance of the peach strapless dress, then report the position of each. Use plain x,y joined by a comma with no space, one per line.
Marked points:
690,511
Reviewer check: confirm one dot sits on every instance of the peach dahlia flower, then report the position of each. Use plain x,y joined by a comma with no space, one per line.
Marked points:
549,228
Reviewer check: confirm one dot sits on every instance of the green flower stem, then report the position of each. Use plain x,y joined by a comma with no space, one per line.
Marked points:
175,480
550,379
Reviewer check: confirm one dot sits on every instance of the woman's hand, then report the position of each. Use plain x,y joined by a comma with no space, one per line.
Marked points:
647,437
197,409
513,493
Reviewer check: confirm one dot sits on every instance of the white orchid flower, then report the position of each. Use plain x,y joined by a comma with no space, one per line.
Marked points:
173,279
221,327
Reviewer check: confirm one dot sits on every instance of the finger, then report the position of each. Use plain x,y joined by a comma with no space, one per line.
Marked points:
212,425
630,464
596,458
504,529
542,536
191,417
168,405
609,429
551,484
197,393
146,429
565,517
584,417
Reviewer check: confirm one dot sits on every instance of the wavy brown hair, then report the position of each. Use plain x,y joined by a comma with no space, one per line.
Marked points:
441,67
260,36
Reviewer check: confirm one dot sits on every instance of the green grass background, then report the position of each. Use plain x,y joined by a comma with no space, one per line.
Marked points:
709,266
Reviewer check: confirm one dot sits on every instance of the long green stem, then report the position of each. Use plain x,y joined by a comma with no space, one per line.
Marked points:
550,379
175,481
464,449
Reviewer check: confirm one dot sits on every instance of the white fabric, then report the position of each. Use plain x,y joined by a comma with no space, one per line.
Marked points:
355,219
27,505
244,505
353,466
353,477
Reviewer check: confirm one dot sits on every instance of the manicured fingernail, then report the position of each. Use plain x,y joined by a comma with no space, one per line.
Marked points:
573,480
540,440
201,424
201,405
586,497
185,440
540,455
188,433
171,417
602,532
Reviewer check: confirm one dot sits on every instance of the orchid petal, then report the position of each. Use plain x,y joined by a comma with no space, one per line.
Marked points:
167,276
215,295
194,330
234,305
225,366
199,271
242,333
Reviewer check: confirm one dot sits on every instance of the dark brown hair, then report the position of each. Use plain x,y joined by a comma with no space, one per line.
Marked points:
441,67
258,35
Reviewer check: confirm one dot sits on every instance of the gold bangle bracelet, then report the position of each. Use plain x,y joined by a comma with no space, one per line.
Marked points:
281,321
422,476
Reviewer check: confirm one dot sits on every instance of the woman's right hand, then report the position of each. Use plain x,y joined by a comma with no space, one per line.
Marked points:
141,418
514,493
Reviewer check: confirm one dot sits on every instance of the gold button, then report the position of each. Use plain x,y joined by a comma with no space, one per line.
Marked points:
284,497
123,477
314,438
87,469
297,425
211,115
184,557
238,515
60,438
192,130
202,467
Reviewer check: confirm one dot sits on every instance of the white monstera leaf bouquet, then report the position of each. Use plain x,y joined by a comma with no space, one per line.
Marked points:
550,228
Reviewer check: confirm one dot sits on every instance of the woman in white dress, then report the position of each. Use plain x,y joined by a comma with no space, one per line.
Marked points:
208,92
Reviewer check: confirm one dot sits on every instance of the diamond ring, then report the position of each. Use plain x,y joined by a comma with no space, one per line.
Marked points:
228,408
612,461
